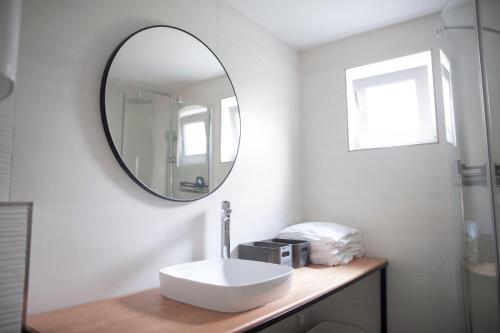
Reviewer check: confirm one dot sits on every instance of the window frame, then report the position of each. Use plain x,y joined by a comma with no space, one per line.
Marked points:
401,64
450,127
229,100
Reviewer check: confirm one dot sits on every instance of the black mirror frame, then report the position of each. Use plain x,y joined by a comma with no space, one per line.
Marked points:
107,131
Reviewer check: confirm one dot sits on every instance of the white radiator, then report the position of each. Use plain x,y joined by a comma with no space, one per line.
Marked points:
15,230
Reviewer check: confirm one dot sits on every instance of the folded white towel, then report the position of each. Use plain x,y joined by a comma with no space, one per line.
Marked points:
330,243
326,258
322,230
352,240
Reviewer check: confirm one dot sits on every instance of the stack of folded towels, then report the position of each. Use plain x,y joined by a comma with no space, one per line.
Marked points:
330,243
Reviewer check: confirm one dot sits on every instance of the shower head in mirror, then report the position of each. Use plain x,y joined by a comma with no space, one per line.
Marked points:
139,100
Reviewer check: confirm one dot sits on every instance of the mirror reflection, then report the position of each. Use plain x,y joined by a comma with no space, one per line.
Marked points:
171,113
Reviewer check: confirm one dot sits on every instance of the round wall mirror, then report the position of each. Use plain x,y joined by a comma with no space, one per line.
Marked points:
170,113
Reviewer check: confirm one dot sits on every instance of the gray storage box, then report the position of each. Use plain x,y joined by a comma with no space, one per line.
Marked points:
300,250
276,253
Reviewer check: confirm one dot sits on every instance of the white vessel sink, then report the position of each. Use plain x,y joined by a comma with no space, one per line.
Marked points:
226,285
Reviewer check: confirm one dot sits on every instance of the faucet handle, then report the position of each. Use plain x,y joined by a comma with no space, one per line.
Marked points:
226,205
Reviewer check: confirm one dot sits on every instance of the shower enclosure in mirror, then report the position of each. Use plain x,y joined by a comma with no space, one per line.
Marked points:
170,113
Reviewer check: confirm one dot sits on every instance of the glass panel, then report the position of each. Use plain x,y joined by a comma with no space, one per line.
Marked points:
137,140
470,191
191,172
488,311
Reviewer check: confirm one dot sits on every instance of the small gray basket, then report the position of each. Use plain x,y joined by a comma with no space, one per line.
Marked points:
300,250
276,253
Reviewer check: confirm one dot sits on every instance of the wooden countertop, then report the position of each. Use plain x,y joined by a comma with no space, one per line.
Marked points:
149,311
486,269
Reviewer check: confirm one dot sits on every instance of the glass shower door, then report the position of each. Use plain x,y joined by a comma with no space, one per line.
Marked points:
147,138
489,15
488,12
137,142
470,160
191,172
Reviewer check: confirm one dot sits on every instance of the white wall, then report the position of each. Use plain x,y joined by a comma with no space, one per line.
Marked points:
398,197
96,234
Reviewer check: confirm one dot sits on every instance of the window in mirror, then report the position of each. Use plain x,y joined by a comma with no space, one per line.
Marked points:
195,139
230,130
161,95
449,117
391,103
192,142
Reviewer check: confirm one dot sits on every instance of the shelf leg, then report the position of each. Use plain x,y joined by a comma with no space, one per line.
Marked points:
383,300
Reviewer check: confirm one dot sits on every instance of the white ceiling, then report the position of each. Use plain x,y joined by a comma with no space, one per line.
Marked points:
308,23
142,60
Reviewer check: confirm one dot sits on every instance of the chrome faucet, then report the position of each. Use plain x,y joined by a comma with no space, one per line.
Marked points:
225,235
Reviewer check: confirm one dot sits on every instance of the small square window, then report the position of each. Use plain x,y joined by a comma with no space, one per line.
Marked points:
391,103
